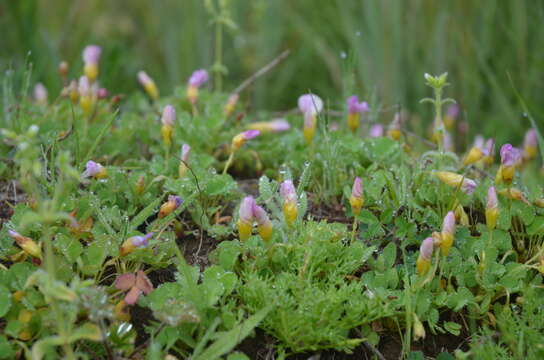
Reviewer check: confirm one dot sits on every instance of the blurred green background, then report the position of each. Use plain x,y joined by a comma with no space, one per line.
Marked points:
373,46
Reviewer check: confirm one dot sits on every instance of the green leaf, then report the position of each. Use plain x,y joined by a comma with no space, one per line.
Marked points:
452,327
416,355
228,340
389,255
445,356
5,300
87,331
6,350
536,227
70,247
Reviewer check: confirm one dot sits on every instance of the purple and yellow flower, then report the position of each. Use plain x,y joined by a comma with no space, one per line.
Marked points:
148,84
91,56
245,219
136,284
185,152
264,225
197,79
489,152
289,196
310,105
446,237
530,145
276,125
376,130
394,128
168,118
458,181
133,243
475,153
423,263
169,206
242,137
87,94
356,199
510,158
231,104
514,194
491,209
94,170
28,245
40,94
355,109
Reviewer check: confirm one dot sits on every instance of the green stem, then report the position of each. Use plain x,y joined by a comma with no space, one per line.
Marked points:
218,54
354,229
229,162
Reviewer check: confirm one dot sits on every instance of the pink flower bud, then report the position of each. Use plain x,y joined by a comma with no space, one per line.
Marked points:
84,87
141,241
479,142
288,192
40,94
91,54
102,93
354,106
468,186
198,78
357,189
376,130
246,209
185,151
448,226
492,202
426,248
143,78
168,116
260,215
530,139
310,104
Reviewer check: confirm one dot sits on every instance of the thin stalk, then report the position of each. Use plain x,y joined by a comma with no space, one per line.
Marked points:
229,162
218,55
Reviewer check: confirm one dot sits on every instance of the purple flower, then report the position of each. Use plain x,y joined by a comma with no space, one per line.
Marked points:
376,130
453,111
357,189
354,106
509,155
288,192
141,241
426,248
492,202
250,134
168,116
310,104
489,147
91,54
246,209
185,151
176,200
468,186
92,169
279,125
479,142
198,78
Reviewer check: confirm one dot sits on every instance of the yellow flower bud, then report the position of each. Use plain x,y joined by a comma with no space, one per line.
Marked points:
290,212
265,230
91,71
121,312
192,94
419,330
394,134
475,154
244,230
356,204
309,129
353,121
422,265
27,244
166,132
